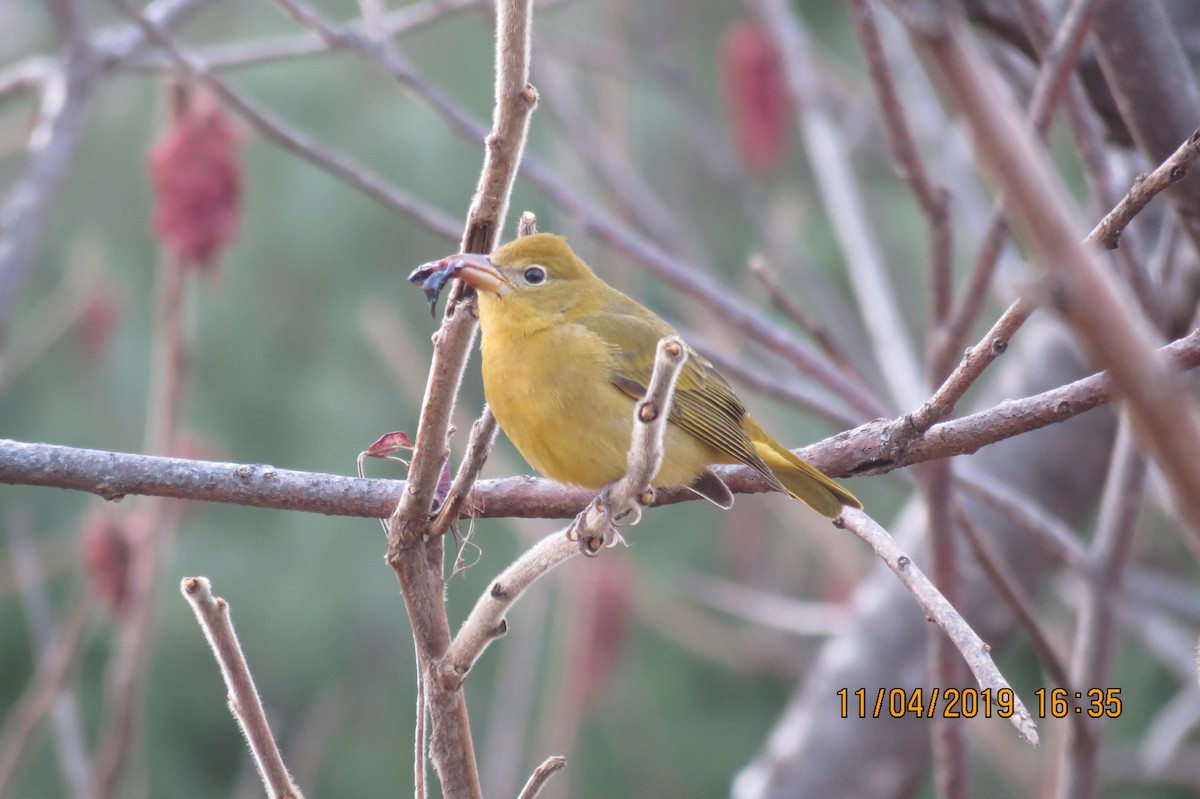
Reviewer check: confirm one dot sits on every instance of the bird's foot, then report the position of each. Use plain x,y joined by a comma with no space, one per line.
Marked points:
596,526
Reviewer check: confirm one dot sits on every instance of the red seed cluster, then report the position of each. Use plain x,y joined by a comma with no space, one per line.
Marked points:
759,104
197,182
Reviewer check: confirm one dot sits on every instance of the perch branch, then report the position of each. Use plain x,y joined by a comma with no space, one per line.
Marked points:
113,475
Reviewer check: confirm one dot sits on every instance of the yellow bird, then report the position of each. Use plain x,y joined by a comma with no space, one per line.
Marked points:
566,357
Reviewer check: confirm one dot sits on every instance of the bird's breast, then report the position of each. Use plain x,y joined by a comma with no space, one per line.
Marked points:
551,392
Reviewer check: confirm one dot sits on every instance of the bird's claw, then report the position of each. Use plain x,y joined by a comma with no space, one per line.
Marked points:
590,543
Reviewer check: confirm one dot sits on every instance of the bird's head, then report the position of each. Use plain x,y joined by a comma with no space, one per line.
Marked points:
537,275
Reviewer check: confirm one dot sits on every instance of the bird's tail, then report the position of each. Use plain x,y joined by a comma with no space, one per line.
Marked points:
803,481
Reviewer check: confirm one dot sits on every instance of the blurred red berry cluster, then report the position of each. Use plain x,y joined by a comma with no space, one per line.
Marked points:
197,180
759,105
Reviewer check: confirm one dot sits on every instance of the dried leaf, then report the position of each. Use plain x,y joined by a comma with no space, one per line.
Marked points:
389,444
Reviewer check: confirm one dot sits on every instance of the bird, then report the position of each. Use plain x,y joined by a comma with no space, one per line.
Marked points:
567,356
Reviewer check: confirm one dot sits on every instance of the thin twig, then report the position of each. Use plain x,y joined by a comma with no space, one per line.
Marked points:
212,613
1078,775
1010,590
933,199
53,670
48,692
796,312
832,165
947,736
1052,81
1108,233
940,611
483,436
537,779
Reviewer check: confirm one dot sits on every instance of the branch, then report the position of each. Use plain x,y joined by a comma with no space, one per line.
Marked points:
538,778
1146,188
1095,633
113,475
839,190
1052,80
932,199
940,611
213,615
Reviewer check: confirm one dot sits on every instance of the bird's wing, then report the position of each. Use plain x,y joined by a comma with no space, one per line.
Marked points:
704,404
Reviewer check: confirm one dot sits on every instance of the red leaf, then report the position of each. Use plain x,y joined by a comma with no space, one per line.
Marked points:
759,105
197,181
389,444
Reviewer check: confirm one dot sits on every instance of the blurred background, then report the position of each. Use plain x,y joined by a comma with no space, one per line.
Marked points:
705,650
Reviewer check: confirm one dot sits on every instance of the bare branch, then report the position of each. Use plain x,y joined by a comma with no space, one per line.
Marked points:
48,692
940,611
1145,189
538,778
112,475
483,436
1095,633
1007,585
1052,81
932,199
833,167
486,621
213,615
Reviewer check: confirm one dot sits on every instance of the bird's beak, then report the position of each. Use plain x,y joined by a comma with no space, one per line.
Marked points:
478,272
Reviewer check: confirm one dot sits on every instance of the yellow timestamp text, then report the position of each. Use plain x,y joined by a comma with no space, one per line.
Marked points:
949,703
1094,702
968,703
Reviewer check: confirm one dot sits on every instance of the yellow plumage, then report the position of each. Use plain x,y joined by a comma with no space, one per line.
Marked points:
566,356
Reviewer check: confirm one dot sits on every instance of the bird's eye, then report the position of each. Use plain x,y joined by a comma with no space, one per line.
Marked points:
535,275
